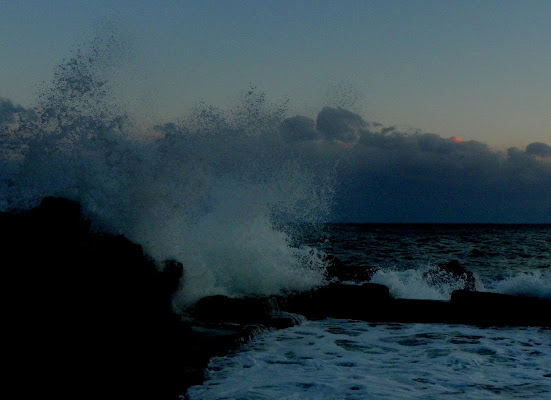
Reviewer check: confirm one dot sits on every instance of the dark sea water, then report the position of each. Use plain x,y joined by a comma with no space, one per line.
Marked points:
343,359
512,259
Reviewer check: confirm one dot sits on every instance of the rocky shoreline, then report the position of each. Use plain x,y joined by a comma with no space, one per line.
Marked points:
89,314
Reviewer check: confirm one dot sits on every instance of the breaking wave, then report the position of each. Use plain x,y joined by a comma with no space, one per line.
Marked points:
426,282
531,284
218,190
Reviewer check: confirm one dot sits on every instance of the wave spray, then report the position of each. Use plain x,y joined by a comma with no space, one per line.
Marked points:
219,190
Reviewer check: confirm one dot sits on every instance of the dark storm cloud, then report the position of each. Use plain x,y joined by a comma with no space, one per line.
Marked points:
383,174
299,128
539,149
392,176
331,124
8,111
340,124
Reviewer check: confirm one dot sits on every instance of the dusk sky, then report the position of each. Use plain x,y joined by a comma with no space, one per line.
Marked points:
431,111
479,70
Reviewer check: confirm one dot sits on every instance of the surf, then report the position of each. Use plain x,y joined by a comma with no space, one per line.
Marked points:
218,190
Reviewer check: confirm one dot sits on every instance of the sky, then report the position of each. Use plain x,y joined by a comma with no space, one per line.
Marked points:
421,111
478,70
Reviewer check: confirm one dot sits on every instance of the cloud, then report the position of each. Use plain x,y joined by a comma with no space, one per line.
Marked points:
332,124
539,149
299,128
340,124
380,174
388,175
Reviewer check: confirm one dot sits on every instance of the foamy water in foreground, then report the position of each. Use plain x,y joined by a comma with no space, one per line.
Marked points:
341,359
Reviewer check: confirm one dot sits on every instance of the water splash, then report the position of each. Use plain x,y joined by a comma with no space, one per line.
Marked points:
218,190
532,284
426,282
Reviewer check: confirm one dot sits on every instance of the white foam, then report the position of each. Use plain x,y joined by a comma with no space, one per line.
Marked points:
534,284
336,359
417,283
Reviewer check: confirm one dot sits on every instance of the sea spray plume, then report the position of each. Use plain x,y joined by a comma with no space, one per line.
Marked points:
344,94
532,284
74,133
13,141
217,191
9,111
80,100
254,115
242,188
425,281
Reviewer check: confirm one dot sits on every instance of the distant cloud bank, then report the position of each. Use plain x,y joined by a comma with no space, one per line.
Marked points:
390,176
539,149
386,175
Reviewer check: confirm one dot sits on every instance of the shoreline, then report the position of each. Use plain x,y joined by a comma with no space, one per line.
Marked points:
79,299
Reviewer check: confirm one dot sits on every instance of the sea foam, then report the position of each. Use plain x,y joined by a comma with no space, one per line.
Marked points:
532,284
331,359
417,283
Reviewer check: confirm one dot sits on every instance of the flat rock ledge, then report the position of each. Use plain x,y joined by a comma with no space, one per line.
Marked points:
372,303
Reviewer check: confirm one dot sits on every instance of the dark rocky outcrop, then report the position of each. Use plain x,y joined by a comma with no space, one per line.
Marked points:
339,301
450,272
337,270
252,313
218,309
486,308
372,303
89,315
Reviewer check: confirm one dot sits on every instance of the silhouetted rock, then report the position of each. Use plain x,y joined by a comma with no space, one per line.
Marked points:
345,272
372,303
486,308
337,300
248,310
451,272
171,276
89,312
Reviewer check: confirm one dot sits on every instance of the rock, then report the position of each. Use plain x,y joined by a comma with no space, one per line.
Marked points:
171,277
60,214
343,272
486,308
91,308
219,309
371,303
451,272
338,300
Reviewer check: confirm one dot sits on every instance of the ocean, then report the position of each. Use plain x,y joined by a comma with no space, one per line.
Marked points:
348,359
